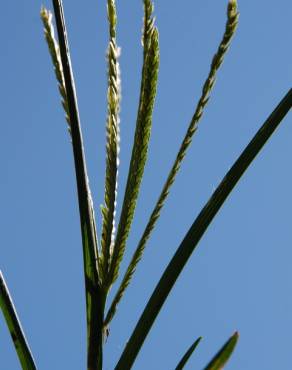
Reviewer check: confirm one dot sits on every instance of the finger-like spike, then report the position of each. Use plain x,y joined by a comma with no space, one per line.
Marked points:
112,146
54,51
232,18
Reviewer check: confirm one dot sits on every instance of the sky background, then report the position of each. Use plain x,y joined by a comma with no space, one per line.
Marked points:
240,276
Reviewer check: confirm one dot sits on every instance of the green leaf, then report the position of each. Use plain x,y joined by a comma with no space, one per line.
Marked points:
231,24
188,354
14,326
221,358
95,299
196,232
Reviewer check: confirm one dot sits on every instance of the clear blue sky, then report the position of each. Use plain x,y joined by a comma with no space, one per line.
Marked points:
240,276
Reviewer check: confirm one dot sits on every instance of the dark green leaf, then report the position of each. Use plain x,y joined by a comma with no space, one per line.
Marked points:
15,329
95,299
196,232
188,354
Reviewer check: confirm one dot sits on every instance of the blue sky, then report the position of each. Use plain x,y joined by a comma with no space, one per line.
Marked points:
240,276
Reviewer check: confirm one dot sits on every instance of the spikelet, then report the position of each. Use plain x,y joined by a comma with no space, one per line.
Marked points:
54,51
231,24
112,146
141,139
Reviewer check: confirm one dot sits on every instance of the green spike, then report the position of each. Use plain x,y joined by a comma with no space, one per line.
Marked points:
232,19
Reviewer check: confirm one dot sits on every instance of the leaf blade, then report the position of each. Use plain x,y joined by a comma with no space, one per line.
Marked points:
196,232
95,298
188,354
221,358
17,334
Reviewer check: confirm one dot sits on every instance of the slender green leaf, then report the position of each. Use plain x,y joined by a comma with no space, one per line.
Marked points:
231,24
14,326
221,358
141,139
95,299
112,146
188,354
196,232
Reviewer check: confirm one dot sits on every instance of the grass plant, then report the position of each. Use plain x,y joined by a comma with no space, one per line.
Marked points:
102,256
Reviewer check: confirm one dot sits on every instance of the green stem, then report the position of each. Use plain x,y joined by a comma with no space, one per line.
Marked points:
95,334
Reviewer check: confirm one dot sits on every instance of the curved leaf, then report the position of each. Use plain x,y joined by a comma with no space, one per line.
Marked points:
188,354
221,358
95,299
14,326
196,232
